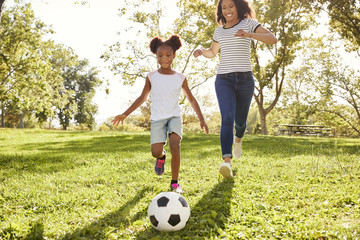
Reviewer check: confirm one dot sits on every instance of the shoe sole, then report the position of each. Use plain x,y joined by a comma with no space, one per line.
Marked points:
177,191
160,173
225,172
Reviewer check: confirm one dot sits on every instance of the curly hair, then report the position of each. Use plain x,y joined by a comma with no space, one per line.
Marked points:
243,7
174,42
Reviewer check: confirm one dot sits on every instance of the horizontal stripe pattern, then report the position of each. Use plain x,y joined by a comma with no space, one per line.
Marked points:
235,51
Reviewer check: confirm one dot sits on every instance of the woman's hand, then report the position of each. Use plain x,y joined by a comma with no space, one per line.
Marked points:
197,52
242,33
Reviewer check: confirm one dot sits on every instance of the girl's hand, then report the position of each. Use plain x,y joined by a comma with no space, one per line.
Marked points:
242,33
197,52
204,126
118,119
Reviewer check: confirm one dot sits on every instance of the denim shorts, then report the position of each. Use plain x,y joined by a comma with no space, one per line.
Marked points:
160,128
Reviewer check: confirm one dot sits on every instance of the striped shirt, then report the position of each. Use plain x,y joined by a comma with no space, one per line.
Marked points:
235,51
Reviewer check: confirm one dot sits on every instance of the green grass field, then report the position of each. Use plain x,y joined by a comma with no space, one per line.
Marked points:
94,185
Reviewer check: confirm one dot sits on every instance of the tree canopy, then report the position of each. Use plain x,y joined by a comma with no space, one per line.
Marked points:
32,71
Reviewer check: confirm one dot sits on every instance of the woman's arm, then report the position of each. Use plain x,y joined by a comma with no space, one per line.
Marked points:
208,53
140,100
261,34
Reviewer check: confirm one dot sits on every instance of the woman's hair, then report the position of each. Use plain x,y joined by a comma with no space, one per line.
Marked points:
174,42
243,7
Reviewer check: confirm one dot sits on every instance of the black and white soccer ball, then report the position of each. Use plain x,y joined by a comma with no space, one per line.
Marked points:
168,211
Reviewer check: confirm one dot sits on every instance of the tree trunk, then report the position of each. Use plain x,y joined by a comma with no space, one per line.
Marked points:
22,120
2,115
1,7
264,130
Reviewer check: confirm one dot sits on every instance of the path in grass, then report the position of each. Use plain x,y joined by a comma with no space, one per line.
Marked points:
94,185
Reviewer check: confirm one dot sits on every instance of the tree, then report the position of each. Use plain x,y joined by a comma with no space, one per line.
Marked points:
300,99
80,82
287,20
195,24
345,85
87,82
40,77
344,18
23,60
1,7
330,90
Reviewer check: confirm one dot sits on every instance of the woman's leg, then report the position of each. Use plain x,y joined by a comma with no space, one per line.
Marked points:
244,94
225,92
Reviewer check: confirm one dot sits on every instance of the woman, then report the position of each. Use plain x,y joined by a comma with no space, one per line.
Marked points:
234,82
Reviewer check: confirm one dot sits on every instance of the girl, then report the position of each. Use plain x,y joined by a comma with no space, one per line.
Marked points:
165,86
234,83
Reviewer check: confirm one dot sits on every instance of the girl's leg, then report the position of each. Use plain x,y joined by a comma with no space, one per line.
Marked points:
157,150
174,144
158,139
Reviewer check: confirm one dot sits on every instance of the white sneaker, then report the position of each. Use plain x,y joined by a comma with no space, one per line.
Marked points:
237,152
225,170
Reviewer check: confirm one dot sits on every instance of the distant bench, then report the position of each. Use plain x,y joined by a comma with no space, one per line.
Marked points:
306,130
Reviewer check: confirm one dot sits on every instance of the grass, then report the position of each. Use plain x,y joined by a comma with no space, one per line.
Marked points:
94,185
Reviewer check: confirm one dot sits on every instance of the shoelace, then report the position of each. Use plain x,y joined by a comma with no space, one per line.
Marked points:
160,163
175,186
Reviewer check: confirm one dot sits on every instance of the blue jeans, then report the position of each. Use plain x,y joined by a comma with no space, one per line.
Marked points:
234,92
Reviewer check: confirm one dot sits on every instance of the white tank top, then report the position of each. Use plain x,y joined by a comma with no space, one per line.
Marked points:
165,94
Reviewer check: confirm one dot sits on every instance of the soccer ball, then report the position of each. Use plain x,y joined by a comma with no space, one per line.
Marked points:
168,211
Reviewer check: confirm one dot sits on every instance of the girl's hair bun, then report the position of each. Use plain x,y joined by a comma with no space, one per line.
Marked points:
155,43
174,42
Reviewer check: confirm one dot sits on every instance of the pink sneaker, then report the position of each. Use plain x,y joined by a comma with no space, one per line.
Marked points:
160,165
176,188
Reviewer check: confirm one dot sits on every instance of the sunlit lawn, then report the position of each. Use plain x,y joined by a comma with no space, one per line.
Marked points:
94,185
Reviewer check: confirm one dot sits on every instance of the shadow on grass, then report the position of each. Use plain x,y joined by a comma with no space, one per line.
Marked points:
62,155
279,146
209,214
112,221
70,150
36,232
73,151
293,146
102,144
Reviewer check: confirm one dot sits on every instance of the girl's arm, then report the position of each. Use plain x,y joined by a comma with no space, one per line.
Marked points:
261,34
140,100
195,106
208,53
